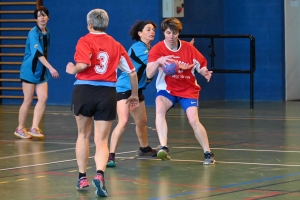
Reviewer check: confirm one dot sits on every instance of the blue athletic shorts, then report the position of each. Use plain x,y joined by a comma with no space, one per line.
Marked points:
184,102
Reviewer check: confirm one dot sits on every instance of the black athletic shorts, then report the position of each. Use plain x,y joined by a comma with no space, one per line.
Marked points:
99,102
127,94
25,81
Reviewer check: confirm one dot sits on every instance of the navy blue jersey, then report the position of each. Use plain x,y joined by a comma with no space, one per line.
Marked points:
37,44
138,54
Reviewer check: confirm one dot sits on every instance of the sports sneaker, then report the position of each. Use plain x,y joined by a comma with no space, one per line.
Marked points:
98,182
149,152
163,153
209,158
22,133
111,161
36,132
82,183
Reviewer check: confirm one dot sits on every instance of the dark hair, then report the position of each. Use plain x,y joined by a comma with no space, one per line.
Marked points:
139,26
40,8
173,23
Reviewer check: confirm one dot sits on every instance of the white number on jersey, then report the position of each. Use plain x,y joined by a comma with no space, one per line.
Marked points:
103,60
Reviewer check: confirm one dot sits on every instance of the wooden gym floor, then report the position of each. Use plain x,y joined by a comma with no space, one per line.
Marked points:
257,153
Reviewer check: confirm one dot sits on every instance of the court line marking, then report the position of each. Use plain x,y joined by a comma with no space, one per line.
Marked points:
68,113
172,160
227,149
56,162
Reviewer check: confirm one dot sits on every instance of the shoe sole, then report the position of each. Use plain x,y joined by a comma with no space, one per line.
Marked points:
147,154
110,164
99,191
21,136
35,136
209,162
78,188
163,156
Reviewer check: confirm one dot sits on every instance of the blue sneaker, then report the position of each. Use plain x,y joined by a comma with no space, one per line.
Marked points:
209,158
163,153
99,184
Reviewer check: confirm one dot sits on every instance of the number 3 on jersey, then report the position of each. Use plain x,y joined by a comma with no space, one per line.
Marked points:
103,60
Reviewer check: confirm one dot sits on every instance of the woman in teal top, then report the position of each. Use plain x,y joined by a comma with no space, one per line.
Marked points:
34,73
143,32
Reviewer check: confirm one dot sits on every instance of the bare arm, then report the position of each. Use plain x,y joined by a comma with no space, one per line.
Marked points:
45,62
74,69
207,74
133,100
152,67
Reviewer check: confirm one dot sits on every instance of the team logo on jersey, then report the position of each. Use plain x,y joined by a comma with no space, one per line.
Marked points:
35,46
145,52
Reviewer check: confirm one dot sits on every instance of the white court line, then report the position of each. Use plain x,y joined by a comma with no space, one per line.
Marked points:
29,154
174,160
223,162
62,161
259,150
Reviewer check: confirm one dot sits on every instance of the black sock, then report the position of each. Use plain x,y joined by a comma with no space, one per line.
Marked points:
82,175
112,155
145,149
100,172
165,148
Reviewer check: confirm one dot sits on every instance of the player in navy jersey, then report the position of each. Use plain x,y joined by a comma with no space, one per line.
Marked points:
34,73
94,98
181,87
143,32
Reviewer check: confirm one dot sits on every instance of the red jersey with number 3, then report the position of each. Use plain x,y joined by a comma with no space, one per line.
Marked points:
103,55
183,83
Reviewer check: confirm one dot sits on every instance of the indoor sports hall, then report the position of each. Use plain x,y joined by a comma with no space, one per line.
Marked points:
250,108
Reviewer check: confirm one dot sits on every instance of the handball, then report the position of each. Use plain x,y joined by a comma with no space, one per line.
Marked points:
171,68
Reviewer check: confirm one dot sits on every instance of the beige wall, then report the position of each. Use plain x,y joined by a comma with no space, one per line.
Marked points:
292,49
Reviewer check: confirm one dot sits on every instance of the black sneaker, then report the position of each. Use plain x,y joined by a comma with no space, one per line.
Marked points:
163,153
209,158
147,151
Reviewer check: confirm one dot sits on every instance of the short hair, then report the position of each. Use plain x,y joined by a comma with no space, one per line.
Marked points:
139,26
40,8
173,23
98,19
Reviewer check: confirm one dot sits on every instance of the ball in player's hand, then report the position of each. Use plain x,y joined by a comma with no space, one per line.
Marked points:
171,68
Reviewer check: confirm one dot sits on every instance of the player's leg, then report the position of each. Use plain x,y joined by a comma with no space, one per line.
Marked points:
116,136
42,95
140,119
104,115
200,133
102,130
82,108
123,117
162,104
28,91
82,150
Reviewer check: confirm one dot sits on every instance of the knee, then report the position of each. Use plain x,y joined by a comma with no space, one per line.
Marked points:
141,122
43,98
194,122
123,122
83,136
27,102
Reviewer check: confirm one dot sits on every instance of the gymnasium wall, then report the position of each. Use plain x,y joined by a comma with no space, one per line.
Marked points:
262,19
